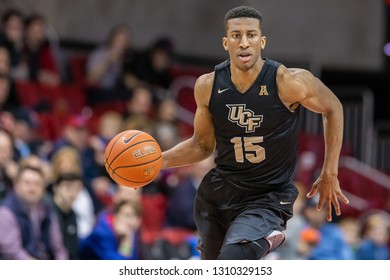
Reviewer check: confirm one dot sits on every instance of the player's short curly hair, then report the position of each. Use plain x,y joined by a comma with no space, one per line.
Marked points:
243,11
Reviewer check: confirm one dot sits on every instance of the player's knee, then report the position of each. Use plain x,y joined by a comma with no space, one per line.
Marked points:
251,250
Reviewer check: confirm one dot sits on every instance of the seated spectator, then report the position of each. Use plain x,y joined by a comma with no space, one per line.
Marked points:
24,132
113,194
178,237
167,124
35,161
12,39
308,239
167,135
8,165
139,108
153,67
5,61
29,227
180,206
332,244
115,236
167,111
126,194
105,66
65,191
350,227
67,160
38,53
375,237
5,93
76,134
140,104
145,124
9,99
104,189
110,124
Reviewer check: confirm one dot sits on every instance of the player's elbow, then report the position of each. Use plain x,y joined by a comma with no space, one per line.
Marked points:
204,146
334,111
336,107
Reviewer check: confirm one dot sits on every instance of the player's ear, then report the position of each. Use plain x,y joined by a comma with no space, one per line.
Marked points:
263,42
224,43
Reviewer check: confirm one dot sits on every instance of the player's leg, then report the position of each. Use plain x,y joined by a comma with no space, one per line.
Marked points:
246,250
210,229
254,233
252,250
211,221
209,249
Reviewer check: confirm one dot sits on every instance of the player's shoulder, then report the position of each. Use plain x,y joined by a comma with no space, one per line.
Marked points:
292,75
204,84
294,83
205,80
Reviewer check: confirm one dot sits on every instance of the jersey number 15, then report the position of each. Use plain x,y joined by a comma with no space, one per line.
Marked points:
249,148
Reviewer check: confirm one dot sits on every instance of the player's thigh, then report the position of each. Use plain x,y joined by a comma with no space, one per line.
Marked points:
211,228
254,224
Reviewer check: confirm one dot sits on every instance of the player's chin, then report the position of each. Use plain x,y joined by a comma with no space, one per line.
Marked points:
244,66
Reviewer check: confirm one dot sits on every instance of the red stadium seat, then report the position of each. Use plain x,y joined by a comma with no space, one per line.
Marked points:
153,216
28,93
75,96
77,65
99,109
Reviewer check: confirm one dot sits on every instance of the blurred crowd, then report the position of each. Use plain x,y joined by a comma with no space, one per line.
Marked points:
56,199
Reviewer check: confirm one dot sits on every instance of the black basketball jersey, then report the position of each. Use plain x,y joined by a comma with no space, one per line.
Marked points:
256,134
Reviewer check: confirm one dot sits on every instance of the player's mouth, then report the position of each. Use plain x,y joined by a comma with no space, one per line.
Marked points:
244,57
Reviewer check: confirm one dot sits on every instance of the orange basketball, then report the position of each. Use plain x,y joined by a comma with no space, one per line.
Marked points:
133,158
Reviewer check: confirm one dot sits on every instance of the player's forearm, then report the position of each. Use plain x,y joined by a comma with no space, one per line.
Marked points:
333,134
186,152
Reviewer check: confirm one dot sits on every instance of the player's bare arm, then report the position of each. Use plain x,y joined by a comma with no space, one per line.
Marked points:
298,86
202,143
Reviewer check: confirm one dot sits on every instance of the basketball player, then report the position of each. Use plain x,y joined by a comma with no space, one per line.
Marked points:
248,109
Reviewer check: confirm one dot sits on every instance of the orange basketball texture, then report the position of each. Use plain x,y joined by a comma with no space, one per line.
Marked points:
133,158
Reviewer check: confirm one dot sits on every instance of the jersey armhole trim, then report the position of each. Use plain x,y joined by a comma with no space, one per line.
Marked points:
213,88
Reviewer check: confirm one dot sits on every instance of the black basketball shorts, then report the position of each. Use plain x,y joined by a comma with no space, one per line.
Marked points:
227,214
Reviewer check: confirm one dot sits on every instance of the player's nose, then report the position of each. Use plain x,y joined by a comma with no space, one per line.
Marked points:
244,43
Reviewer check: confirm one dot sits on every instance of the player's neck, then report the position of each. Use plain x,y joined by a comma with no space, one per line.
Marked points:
244,79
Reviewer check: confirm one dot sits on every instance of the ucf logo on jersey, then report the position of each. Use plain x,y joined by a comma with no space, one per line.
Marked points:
239,114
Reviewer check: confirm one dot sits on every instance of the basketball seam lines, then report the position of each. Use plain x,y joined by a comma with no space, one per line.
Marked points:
113,171
126,166
144,141
112,147
123,178
113,144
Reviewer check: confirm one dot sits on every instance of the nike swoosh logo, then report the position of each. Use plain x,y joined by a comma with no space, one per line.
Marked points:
127,140
285,202
222,90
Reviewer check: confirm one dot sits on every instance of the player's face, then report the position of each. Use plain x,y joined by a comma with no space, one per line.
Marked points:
244,42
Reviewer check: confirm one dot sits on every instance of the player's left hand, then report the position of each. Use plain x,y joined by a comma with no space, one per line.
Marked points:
329,191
